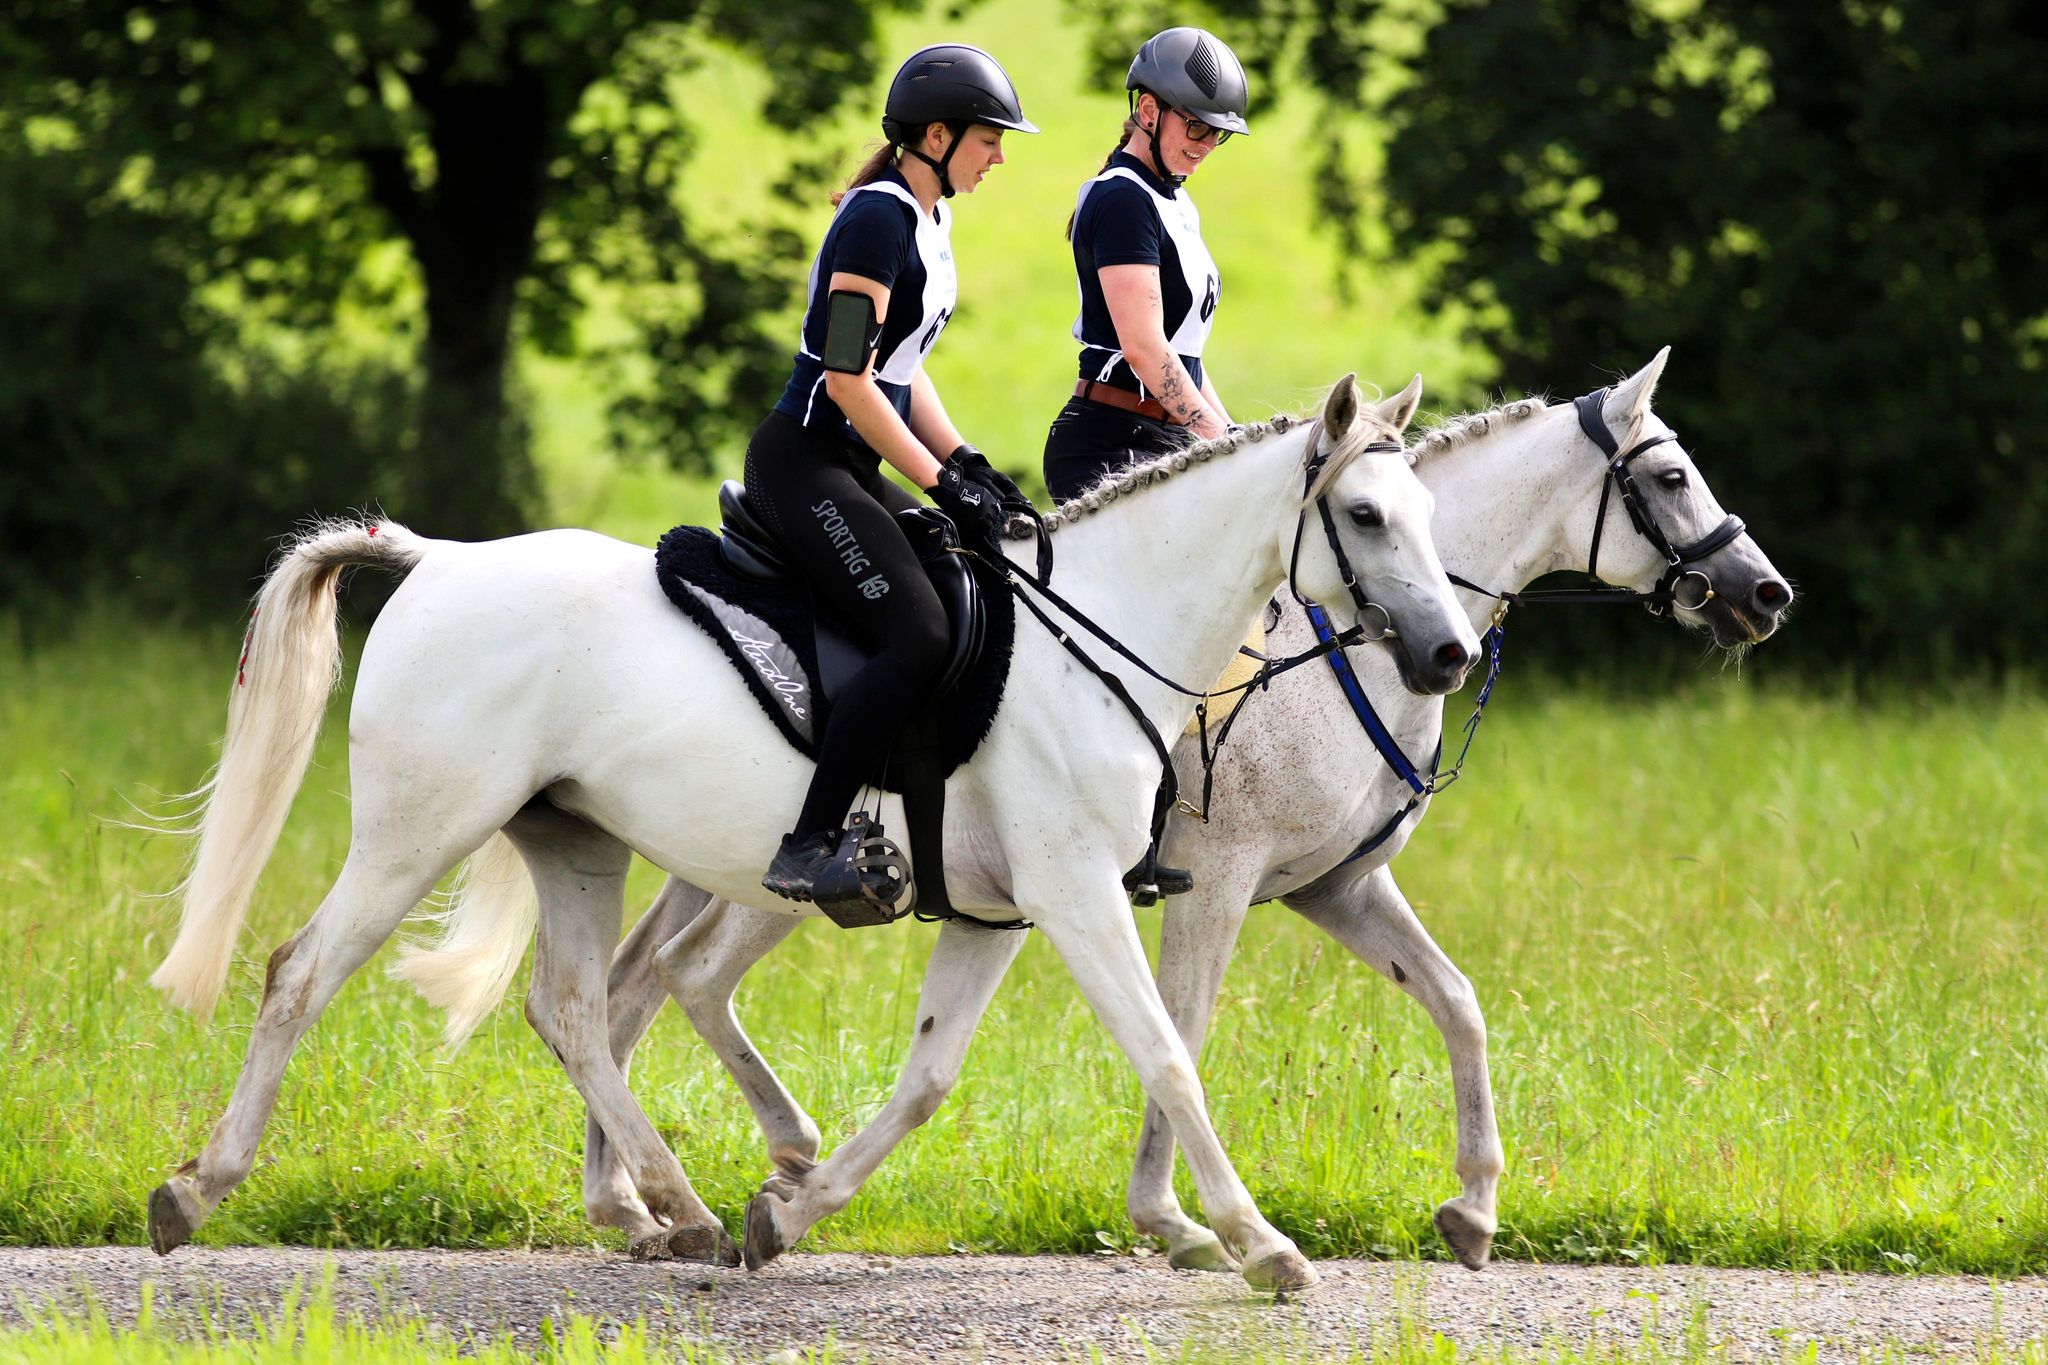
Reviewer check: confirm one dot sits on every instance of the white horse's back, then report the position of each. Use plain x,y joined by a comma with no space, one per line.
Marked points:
561,650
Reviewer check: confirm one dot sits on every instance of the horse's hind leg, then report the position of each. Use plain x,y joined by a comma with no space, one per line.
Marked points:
367,902
967,964
633,996
702,967
1368,914
579,876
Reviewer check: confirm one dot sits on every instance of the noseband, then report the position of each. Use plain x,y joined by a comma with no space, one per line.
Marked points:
1621,478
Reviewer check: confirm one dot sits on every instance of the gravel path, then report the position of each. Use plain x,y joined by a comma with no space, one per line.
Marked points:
1028,1308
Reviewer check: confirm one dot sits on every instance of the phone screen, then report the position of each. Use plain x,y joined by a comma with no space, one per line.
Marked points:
849,327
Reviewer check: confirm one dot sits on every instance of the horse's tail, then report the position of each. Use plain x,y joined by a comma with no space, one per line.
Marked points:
291,661
484,933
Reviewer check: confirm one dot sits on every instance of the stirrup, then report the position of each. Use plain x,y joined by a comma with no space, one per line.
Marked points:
866,878
1152,879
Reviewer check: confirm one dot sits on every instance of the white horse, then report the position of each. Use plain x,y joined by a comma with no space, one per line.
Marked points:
542,687
1518,491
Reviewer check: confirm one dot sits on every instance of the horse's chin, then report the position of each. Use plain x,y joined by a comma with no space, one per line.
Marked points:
1731,626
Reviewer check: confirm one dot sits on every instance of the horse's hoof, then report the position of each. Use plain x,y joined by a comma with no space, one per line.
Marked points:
1200,1253
171,1221
1468,1234
1285,1271
653,1247
763,1240
707,1244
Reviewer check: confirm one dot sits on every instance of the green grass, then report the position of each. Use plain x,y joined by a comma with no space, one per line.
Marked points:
1762,972
307,1329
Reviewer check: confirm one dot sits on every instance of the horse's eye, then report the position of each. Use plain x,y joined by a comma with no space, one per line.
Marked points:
1367,515
1673,479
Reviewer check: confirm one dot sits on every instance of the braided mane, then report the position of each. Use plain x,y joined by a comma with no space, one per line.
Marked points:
1126,482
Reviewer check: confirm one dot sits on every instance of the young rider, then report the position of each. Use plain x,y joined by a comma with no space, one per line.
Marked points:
1148,284
881,290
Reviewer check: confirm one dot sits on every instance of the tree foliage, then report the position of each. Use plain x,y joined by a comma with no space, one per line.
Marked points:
133,464
517,148
1832,212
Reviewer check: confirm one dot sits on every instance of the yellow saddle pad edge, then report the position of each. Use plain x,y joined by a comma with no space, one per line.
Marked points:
1240,671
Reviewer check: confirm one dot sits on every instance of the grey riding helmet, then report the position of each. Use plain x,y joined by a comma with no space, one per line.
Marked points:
1196,72
953,84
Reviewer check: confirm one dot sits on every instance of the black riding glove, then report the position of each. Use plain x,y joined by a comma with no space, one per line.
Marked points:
974,465
973,507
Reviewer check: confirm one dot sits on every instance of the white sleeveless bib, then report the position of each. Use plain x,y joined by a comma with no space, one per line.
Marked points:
1183,224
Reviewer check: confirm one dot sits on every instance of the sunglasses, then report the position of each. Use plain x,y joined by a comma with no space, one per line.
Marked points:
1199,131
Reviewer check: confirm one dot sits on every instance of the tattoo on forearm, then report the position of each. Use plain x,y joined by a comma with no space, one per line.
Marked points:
1173,394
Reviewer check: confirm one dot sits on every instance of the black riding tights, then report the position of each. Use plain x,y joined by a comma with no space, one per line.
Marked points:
828,503
1090,439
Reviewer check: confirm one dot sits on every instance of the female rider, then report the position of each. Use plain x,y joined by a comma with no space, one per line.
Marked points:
881,290
1148,284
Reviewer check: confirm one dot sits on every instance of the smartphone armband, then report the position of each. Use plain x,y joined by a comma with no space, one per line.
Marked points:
851,331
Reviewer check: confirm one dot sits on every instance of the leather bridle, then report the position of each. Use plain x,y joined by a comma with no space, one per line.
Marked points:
1363,604
1679,585
1621,478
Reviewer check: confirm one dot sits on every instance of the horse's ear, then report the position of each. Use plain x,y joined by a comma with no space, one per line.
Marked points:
1630,398
1340,410
1397,412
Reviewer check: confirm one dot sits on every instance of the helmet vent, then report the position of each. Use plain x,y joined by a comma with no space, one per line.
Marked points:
1202,68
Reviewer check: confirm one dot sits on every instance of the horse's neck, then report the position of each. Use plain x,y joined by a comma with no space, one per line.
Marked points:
1512,503
1176,573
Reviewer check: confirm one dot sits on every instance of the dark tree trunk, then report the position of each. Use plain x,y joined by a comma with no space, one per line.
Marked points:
474,234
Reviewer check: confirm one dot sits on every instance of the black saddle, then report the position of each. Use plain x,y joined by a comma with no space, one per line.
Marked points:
750,550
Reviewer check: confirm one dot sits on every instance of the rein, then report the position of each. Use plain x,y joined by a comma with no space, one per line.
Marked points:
1330,643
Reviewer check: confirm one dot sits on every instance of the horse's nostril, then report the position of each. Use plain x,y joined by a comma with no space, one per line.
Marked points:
1771,595
1451,654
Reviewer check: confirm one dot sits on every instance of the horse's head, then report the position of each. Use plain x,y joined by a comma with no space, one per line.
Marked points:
1365,509
1664,527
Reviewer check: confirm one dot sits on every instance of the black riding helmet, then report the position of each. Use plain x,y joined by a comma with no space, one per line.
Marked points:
956,85
1193,71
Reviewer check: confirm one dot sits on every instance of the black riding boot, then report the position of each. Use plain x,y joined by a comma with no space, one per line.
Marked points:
801,860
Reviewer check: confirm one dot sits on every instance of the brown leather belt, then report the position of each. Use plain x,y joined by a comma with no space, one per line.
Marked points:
1115,397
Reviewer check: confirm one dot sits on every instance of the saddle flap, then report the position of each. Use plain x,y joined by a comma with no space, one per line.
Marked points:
936,540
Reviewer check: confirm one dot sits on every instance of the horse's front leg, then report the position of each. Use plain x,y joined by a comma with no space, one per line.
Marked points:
633,996
966,966
1367,913
1197,933
1089,921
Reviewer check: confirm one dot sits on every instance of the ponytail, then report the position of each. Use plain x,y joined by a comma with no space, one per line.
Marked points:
871,170
1130,130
